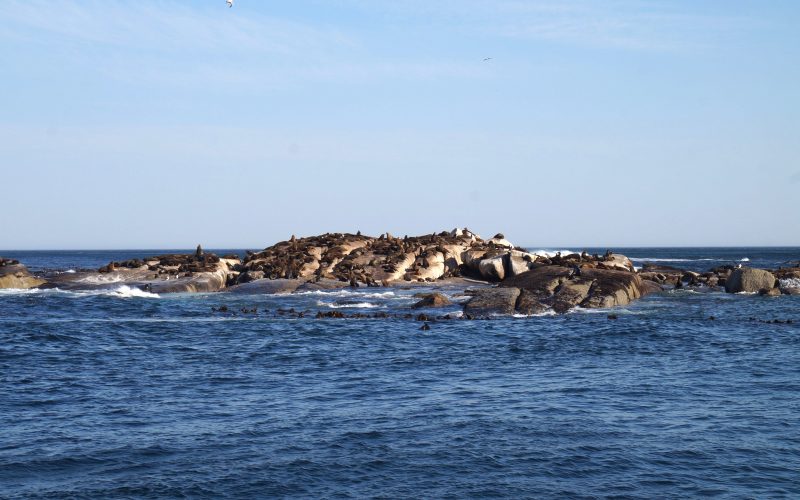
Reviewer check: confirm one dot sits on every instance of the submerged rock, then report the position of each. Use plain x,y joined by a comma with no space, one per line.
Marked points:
431,300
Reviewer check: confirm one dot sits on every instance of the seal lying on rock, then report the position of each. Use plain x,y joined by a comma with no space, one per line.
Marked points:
170,273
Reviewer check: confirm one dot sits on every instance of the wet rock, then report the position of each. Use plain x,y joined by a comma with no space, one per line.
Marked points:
570,294
749,280
769,292
613,288
431,300
266,286
492,301
425,327
563,288
528,304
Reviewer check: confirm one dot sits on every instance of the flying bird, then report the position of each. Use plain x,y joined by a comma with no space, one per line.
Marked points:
484,60
230,3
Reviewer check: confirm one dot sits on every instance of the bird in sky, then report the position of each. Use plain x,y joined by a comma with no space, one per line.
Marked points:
484,60
230,3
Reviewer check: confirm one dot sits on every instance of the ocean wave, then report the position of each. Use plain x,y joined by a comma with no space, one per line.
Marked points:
102,279
354,305
746,259
789,283
123,291
550,253
662,259
346,293
548,312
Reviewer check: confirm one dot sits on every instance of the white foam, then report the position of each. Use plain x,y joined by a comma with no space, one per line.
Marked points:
357,305
346,293
746,259
789,283
660,259
70,271
102,279
551,253
548,312
123,291
126,291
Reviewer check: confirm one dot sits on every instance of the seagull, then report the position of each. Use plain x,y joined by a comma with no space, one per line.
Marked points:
230,3
484,60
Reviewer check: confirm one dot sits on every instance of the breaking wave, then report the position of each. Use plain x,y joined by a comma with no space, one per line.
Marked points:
347,293
123,291
551,253
789,283
353,305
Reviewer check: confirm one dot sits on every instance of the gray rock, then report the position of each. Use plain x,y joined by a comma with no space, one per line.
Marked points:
528,304
492,301
749,280
267,286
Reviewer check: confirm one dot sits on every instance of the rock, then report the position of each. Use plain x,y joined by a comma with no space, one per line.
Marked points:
562,288
541,281
493,269
616,261
15,275
425,327
492,301
267,286
613,288
570,294
790,291
769,292
749,280
431,300
528,304
649,287
248,276
516,264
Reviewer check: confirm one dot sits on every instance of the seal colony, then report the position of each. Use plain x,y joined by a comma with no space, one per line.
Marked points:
499,277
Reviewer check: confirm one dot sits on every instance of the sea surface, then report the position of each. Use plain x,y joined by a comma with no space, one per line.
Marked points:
125,394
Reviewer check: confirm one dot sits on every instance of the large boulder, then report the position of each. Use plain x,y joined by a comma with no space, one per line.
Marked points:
613,288
16,275
749,280
528,304
616,261
492,301
493,269
563,288
570,294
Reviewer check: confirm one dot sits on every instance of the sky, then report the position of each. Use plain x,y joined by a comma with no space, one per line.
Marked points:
163,124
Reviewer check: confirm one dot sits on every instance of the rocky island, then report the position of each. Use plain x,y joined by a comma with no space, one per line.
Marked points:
498,277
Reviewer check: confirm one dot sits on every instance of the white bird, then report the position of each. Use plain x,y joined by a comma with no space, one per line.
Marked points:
230,3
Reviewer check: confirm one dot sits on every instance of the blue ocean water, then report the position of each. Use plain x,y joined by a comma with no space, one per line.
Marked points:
124,394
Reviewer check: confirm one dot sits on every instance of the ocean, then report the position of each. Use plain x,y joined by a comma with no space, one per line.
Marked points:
126,394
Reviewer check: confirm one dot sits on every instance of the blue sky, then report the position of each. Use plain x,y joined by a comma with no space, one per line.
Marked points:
146,124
